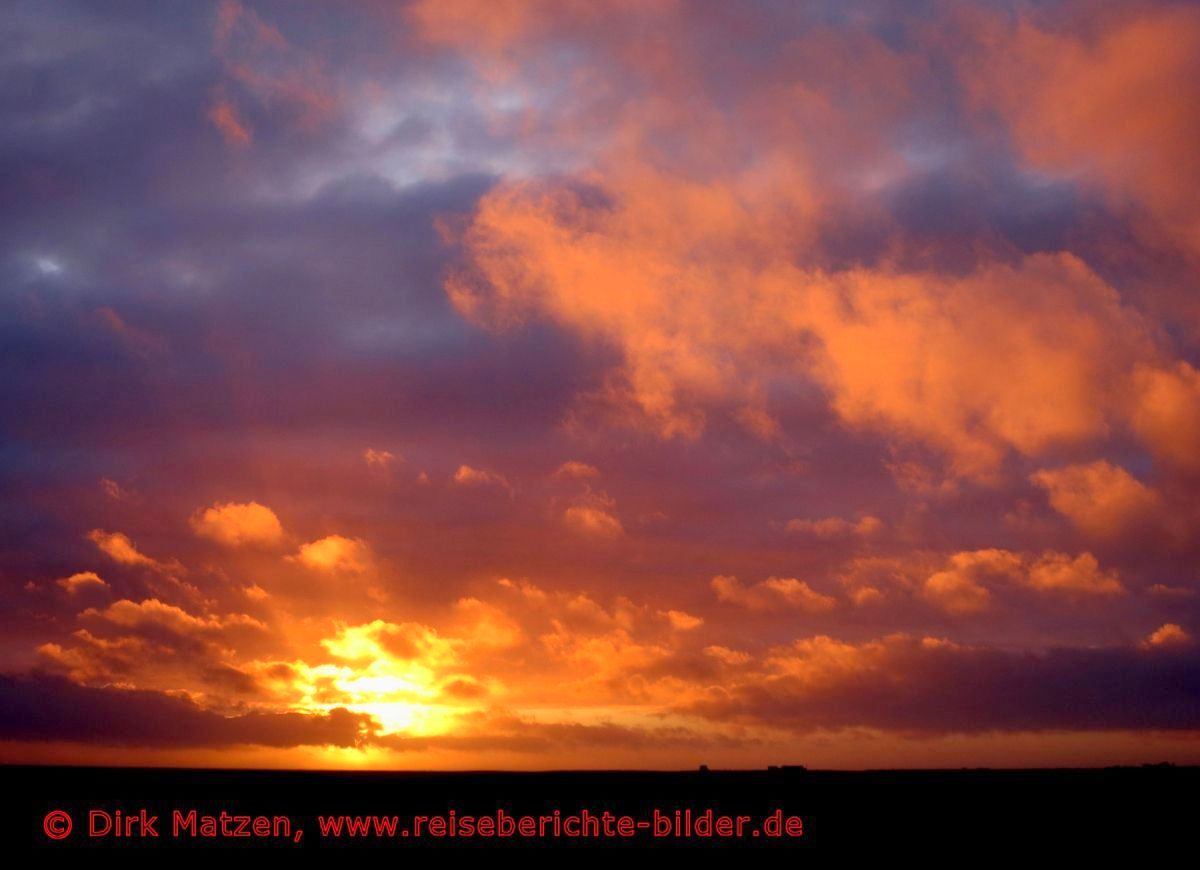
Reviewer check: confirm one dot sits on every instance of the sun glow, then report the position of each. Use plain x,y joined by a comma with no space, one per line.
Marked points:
393,673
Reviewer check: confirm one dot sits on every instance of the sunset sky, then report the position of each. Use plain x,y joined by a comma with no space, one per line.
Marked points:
572,384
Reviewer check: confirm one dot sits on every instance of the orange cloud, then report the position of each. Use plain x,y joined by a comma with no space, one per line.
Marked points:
959,588
118,547
964,586
82,580
965,364
1167,413
155,644
865,596
601,660
574,469
957,593
487,625
113,489
681,621
335,553
94,658
1102,499
835,527
224,116
594,516
772,593
236,525
151,612
526,589
823,660
1080,576
381,458
1168,635
728,656
468,476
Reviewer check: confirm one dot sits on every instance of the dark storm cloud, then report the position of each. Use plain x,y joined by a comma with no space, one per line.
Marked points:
44,708
149,284
908,685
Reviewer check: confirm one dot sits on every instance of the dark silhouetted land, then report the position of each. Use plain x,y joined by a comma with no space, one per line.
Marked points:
967,812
